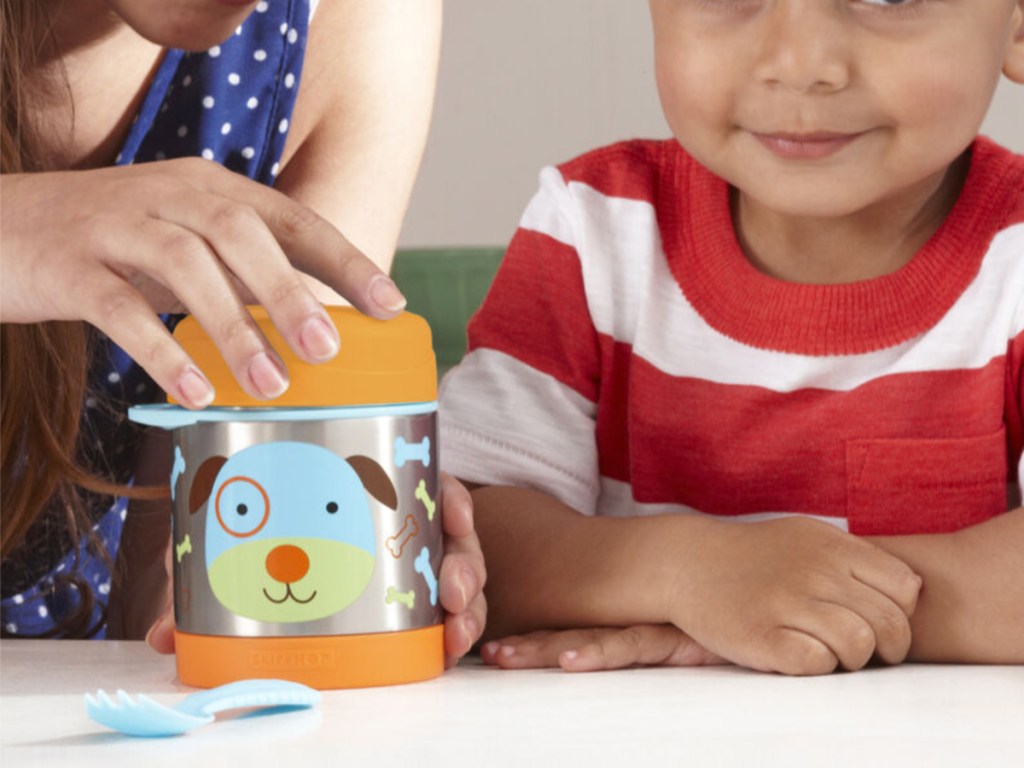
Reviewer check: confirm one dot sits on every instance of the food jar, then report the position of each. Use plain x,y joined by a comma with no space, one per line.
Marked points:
307,538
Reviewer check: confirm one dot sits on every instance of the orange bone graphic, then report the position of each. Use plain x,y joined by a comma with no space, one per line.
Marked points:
397,542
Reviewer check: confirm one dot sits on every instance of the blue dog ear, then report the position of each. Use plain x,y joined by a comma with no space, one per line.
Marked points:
202,483
375,480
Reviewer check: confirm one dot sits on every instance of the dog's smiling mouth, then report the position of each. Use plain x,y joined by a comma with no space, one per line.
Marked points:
288,595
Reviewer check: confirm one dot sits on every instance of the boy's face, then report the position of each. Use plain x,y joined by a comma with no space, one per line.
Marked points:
825,107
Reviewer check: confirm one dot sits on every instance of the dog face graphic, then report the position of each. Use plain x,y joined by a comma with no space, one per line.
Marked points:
289,531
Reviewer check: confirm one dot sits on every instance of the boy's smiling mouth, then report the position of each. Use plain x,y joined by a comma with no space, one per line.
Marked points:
805,146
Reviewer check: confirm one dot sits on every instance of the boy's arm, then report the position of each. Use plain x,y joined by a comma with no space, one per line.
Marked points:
792,595
971,607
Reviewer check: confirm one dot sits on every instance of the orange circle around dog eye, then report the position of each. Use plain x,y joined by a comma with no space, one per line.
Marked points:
266,506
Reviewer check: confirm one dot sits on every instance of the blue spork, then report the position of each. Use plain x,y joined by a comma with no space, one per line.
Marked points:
146,717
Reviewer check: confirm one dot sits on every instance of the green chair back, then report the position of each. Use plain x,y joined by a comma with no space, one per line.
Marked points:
446,286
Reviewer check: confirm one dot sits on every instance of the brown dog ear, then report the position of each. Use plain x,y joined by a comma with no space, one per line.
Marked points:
202,483
375,480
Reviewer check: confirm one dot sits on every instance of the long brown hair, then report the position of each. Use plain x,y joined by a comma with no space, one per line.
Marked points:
44,371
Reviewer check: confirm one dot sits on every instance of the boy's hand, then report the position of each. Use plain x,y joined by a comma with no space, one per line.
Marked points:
462,572
794,595
601,648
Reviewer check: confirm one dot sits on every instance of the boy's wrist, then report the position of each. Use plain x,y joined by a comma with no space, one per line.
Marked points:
657,557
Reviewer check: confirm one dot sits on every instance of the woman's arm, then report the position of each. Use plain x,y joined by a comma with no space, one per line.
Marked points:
971,608
362,116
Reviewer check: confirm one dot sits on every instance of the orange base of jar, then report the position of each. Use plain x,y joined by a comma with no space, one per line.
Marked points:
339,661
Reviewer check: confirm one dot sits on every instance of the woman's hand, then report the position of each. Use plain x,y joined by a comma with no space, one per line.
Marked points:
161,635
462,573
601,648
116,246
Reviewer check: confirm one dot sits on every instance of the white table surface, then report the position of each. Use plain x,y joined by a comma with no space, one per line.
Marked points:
914,715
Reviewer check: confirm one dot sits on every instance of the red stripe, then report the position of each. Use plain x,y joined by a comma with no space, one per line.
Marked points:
537,311
904,453
629,170
1015,402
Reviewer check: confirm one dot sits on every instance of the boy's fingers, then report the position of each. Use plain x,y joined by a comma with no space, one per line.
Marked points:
889,625
890,576
849,637
643,644
794,652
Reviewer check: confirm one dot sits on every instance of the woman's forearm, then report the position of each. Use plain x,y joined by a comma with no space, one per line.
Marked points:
971,608
369,83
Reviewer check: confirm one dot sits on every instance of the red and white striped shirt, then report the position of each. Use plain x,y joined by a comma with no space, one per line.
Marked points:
630,360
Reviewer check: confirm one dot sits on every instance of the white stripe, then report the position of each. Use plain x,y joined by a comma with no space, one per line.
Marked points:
616,500
546,211
634,298
532,432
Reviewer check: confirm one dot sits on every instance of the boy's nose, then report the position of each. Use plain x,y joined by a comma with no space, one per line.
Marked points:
803,47
287,563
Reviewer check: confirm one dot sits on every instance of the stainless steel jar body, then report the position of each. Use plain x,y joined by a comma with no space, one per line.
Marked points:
284,526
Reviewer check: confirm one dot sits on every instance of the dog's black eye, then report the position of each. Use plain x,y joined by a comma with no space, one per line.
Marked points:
332,507
241,509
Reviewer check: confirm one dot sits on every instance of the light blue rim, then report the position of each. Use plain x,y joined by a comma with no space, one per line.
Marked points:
168,416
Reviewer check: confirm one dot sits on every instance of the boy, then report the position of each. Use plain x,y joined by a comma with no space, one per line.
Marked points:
801,324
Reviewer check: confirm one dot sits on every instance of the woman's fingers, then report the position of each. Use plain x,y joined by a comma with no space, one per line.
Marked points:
161,635
117,309
184,262
463,573
462,630
246,248
312,243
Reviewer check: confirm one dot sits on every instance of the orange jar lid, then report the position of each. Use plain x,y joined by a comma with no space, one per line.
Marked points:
379,362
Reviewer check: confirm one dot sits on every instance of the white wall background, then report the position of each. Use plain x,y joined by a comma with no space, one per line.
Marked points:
532,82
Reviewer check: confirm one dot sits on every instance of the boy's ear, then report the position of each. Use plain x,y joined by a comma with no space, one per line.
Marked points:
1013,66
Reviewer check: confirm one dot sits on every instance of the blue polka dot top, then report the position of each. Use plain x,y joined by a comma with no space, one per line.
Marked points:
231,104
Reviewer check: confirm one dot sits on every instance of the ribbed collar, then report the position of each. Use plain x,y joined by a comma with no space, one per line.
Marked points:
853,318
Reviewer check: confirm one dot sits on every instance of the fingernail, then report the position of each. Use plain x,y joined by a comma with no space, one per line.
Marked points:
266,376
194,388
570,655
319,338
152,631
507,651
472,629
386,294
489,649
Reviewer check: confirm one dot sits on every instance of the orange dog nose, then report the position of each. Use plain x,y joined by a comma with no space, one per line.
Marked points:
287,563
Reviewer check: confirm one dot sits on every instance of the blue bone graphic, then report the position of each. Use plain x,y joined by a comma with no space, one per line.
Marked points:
422,566
412,452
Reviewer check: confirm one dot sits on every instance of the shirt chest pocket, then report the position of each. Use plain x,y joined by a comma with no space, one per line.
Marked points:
897,487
